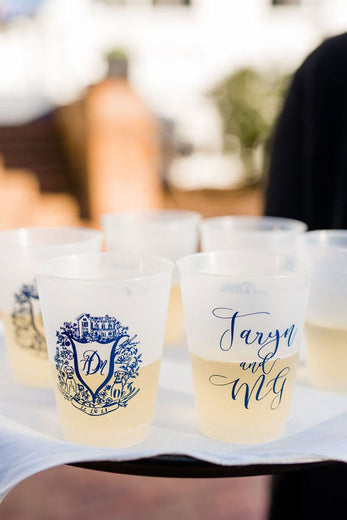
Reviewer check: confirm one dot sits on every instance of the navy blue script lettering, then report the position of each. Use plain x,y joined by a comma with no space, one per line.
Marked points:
267,342
92,362
262,387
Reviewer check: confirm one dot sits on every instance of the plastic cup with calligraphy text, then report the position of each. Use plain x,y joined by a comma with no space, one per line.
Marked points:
244,316
270,234
20,251
104,317
326,323
166,233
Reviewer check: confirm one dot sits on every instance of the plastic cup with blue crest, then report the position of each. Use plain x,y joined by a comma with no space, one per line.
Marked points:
326,323
244,317
167,233
104,317
271,234
20,251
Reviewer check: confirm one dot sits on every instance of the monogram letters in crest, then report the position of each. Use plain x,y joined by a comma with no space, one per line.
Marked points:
97,362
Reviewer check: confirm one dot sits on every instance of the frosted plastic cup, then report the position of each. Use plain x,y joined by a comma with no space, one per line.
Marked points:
326,324
104,317
244,316
166,233
270,234
20,251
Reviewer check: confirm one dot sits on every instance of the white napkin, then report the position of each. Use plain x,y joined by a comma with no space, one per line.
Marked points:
31,440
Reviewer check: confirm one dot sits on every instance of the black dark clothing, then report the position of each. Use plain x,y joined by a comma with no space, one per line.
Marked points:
308,181
310,494
308,164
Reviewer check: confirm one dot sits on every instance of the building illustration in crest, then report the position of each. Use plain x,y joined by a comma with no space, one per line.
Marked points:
97,328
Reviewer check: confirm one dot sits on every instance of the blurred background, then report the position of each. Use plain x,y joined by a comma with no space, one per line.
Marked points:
113,104
132,104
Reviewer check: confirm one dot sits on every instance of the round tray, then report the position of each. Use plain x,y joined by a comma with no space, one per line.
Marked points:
181,466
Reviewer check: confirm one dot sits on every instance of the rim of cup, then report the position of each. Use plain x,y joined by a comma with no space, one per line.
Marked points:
156,218
321,239
60,267
47,236
303,267
246,223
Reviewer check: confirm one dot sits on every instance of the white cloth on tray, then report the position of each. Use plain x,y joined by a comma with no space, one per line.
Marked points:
31,439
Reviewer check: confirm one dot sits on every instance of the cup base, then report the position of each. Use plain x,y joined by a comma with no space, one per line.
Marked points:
27,366
242,436
329,385
118,439
32,382
326,356
174,330
33,378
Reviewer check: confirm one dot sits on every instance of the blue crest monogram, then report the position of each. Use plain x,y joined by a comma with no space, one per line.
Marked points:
97,362
27,320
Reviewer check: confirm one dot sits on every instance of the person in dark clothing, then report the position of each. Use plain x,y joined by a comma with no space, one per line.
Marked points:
307,180
308,163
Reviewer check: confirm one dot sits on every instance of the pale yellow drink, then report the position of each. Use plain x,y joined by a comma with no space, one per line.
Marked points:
327,356
174,322
119,428
243,405
28,358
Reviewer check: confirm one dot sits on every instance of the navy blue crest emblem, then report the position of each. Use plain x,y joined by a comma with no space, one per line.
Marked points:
27,320
97,362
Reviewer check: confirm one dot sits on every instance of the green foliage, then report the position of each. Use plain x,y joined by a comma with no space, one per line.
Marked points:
117,54
248,102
